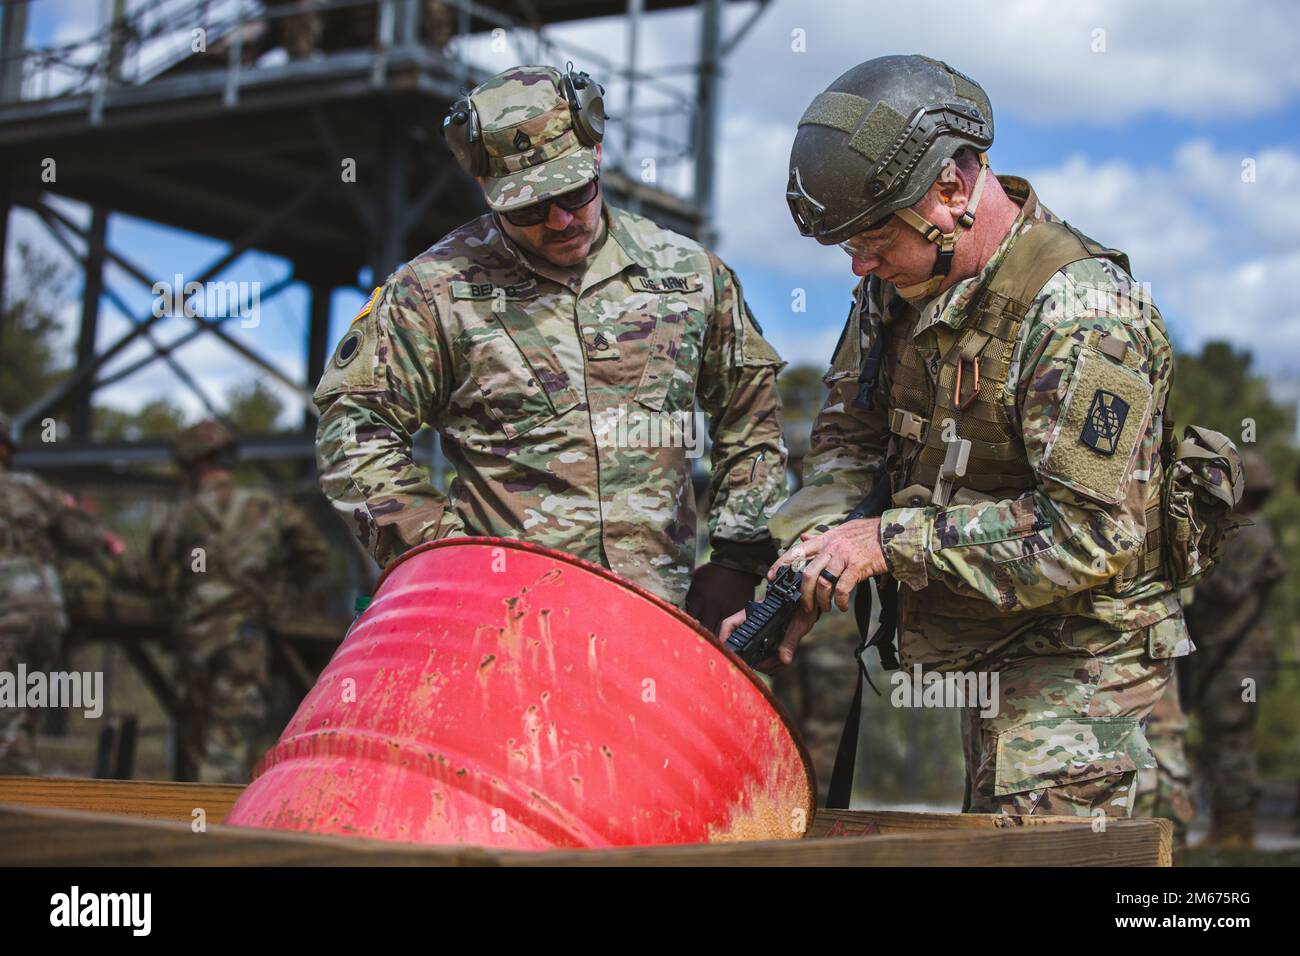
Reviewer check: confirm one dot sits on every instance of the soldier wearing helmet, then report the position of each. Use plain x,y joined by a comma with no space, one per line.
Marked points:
39,526
228,558
1003,372
1237,654
559,345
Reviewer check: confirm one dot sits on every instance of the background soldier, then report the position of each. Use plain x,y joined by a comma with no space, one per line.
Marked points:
553,342
1230,623
229,558
37,525
996,369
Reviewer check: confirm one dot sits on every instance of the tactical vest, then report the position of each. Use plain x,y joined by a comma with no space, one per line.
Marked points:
967,398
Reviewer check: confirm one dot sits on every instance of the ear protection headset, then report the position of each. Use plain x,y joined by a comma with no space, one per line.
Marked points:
586,101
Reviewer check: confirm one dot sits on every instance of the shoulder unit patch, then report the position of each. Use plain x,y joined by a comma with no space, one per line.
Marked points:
1095,437
1104,422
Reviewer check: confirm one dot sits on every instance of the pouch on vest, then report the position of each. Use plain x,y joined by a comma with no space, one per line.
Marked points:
1203,485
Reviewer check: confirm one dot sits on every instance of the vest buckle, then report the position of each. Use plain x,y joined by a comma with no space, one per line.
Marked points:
907,424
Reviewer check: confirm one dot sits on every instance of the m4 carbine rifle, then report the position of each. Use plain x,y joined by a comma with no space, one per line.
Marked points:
765,624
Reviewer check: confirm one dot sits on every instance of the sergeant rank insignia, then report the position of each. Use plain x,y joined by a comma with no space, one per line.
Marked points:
1105,422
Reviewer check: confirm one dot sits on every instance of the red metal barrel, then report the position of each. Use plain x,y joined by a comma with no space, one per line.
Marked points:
504,694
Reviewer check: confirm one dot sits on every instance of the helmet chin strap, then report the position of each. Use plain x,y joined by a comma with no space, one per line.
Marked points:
946,241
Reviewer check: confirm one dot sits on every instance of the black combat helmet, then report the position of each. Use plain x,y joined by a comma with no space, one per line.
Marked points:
876,140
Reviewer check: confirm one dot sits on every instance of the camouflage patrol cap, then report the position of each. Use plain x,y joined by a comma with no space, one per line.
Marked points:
202,439
1259,473
533,151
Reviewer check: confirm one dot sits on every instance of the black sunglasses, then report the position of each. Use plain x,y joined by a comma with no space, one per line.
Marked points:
537,213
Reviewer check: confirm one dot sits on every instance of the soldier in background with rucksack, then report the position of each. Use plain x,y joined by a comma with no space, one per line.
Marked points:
227,558
1237,645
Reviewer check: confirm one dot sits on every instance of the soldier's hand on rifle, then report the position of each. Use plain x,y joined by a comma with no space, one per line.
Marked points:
717,591
800,624
836,561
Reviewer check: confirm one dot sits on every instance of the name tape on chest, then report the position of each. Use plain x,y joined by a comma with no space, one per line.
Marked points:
660,285
477,291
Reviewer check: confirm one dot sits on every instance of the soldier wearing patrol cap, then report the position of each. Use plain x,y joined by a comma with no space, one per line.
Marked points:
38,526
559,345
228,558
1003,373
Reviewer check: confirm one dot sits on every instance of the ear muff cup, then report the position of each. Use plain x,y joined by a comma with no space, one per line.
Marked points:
464,137
586,106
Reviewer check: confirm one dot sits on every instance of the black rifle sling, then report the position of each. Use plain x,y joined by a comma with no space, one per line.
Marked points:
846,754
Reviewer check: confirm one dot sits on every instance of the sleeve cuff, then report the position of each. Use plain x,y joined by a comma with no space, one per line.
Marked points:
752,557
905,540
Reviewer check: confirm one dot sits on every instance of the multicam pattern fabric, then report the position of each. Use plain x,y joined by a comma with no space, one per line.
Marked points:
1068,735
226,558
533,152
1011,580
470,337
37,525
1165,790
229,694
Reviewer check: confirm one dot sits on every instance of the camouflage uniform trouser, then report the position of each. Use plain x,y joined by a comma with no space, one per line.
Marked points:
1067,738
817,689
227,692
1226,758
1165,790
28,636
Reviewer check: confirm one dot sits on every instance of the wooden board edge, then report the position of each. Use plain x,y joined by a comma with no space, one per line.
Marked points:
37,836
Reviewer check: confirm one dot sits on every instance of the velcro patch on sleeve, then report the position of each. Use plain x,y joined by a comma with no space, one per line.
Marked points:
353,368
661,285
1105,413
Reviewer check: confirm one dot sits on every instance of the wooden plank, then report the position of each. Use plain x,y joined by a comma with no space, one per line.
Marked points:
842,823
145,799
38,835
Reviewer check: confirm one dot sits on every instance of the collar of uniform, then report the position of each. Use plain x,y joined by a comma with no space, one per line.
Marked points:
621,228
613,255
952,308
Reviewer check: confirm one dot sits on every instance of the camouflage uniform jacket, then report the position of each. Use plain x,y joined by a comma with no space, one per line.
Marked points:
475,340
1015,574
229,552
38,524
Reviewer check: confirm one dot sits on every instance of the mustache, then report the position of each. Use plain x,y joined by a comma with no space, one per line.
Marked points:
569,232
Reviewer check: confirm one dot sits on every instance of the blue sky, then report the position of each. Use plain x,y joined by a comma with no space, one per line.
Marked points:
1140,143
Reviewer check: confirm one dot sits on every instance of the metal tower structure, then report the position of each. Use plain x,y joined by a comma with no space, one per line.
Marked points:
233,118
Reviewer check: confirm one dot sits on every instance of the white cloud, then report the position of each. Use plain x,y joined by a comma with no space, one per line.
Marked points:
756,226
1035,57
1217,253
